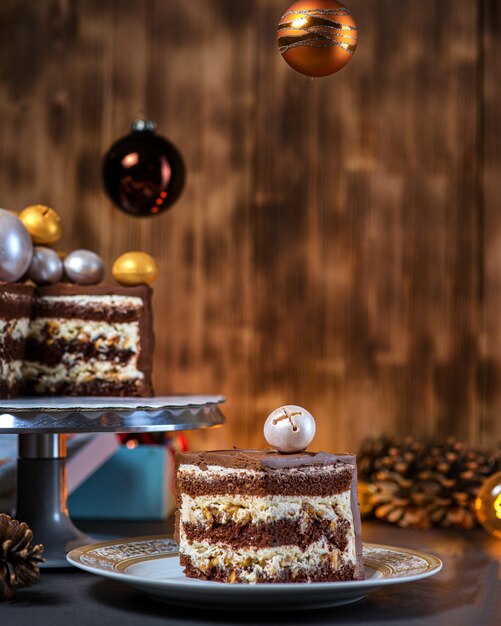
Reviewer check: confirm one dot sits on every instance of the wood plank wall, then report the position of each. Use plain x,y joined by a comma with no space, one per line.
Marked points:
338,244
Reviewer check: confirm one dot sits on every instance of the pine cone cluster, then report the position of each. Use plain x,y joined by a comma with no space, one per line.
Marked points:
420,486
18,558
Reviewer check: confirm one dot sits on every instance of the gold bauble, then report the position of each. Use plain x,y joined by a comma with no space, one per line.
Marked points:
488,505
317,37
135,268
43,224
365,493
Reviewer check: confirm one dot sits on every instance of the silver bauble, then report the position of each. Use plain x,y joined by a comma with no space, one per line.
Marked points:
46,268
16,247
84,267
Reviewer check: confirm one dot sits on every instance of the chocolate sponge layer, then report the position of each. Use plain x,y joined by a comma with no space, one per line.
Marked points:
268,482
282,532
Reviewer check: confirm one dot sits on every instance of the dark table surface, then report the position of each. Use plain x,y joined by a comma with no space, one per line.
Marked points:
466,592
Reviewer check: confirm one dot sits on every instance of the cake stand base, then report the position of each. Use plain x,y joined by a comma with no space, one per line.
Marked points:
42,497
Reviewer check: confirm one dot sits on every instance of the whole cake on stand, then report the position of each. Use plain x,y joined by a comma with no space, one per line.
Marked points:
75,356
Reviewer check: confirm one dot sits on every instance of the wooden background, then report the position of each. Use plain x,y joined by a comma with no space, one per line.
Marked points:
338,244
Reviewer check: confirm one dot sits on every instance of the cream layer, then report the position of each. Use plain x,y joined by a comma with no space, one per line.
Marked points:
264,509
16,328
253,565
215,471
16,296
97,302
10,371
80,371
123,335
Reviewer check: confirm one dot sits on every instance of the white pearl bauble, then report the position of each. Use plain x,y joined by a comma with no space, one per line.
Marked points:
46,268
84,267
290,428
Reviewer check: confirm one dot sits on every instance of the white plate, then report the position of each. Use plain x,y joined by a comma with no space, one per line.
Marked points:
151,564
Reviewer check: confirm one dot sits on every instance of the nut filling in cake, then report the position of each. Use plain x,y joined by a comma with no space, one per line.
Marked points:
89,341
251,516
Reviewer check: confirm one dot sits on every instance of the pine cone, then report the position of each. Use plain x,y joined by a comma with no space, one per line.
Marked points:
370,451
18,558
455,473
420,486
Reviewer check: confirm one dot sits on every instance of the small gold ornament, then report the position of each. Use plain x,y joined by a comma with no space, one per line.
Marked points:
135,268
488,505
43,224
365,493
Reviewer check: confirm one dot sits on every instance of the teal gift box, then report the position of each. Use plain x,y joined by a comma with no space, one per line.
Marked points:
134,484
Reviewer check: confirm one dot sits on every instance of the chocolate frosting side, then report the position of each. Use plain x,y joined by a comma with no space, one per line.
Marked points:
12,308
22,289
357,522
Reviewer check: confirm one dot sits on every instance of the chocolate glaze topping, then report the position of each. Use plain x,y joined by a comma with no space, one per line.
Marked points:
70,289
261,459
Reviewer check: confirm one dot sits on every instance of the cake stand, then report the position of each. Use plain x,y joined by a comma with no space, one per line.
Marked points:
42,425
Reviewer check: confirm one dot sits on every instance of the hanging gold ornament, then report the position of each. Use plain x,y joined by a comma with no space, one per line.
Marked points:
135,268
488,505
43,224
317,37
365,493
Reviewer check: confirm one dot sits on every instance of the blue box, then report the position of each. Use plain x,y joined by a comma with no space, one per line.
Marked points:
134,484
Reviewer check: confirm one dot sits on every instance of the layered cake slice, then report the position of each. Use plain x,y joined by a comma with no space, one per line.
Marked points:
15,307
261,516
90,340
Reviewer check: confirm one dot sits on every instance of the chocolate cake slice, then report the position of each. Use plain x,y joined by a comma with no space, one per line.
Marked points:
90,341
260,516
15,307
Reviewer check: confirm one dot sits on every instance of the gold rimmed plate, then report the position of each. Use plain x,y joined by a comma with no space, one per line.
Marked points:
151,565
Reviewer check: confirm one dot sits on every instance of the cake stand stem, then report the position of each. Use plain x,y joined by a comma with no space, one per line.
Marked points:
42,497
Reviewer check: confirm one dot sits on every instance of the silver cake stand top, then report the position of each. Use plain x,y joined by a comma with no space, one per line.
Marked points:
65,415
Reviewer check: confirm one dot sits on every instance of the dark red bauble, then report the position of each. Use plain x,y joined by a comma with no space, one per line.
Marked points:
143,173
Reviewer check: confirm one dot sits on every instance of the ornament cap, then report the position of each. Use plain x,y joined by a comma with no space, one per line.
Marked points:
142,125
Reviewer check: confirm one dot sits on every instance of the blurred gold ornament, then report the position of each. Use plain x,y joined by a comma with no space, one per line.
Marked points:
135,268
365,493
43,224
488,505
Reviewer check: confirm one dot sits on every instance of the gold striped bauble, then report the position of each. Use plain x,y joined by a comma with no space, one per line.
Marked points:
317,37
